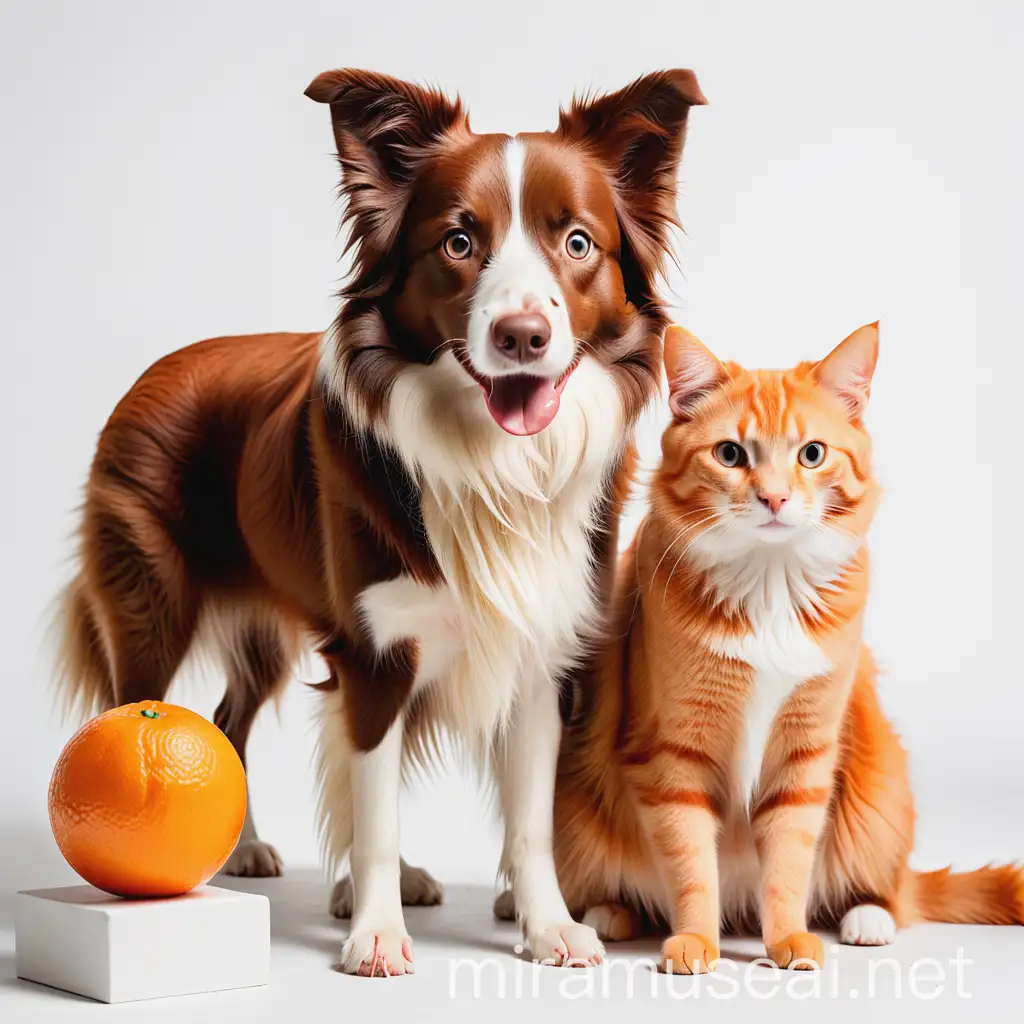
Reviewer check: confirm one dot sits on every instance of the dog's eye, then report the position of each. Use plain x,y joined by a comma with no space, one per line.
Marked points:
730,454
577,245
458,245
812,455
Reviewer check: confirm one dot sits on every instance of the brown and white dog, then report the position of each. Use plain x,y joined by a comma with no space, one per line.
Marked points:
429,491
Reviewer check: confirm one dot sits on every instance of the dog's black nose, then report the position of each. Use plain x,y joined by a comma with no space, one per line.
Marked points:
522,337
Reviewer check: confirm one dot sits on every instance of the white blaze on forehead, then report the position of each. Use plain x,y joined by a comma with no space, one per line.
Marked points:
517,252
518,276
514,157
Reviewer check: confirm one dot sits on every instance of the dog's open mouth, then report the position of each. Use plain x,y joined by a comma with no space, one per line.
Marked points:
520,403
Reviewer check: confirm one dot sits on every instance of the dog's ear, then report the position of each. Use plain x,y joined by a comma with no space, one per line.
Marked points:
639,133
383,128
383,119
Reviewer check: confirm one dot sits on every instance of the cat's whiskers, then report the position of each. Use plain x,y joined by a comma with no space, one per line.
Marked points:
686,527
718,513
831,527
721,524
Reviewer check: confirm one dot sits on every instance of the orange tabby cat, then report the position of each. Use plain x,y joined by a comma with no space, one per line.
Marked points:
735,765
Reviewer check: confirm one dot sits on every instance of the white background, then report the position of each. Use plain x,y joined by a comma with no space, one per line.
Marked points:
164,180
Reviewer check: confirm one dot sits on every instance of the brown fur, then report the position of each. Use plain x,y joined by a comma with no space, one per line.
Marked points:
233,484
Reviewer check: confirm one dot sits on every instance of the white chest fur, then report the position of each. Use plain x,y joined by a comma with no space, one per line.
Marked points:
444,632
782,657
480,656
403,609
510,522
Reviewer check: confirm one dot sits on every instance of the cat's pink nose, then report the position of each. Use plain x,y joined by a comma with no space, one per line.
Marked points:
773,500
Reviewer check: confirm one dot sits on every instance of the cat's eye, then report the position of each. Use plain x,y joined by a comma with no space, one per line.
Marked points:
458,245
730,454
812,455
577,245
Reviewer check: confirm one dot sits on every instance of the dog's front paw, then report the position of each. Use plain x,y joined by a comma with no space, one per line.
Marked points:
252,858
380,954
566,945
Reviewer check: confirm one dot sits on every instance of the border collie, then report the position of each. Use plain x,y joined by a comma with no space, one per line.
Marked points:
429,491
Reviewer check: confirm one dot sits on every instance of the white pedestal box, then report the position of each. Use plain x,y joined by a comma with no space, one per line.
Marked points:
85,941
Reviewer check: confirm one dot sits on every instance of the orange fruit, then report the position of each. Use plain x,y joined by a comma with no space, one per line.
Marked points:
147,799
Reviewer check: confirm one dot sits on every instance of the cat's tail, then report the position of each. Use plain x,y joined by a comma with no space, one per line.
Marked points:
990,895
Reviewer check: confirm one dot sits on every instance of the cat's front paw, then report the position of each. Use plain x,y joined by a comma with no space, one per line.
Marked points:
688,953
566,945
800,951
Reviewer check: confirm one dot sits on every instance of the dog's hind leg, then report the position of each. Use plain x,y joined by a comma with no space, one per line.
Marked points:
258,652
418,886
504,908
127,620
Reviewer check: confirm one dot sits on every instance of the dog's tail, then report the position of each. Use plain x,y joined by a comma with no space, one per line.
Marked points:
989,895
83,681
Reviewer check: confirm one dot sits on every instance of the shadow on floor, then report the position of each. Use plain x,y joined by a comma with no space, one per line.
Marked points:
298,902
30,860
299,915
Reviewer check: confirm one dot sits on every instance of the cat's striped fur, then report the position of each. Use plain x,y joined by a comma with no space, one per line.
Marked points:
734,766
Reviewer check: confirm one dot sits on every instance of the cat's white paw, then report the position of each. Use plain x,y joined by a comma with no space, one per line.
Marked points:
377,954
613,922
568,945
867,925
252,858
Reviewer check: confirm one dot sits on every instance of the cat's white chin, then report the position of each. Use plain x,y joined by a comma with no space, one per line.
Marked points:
775,532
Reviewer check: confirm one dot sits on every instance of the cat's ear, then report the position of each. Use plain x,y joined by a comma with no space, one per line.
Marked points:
691,369
848,368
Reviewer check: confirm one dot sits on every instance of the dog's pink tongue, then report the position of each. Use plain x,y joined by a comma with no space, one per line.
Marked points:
522,404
